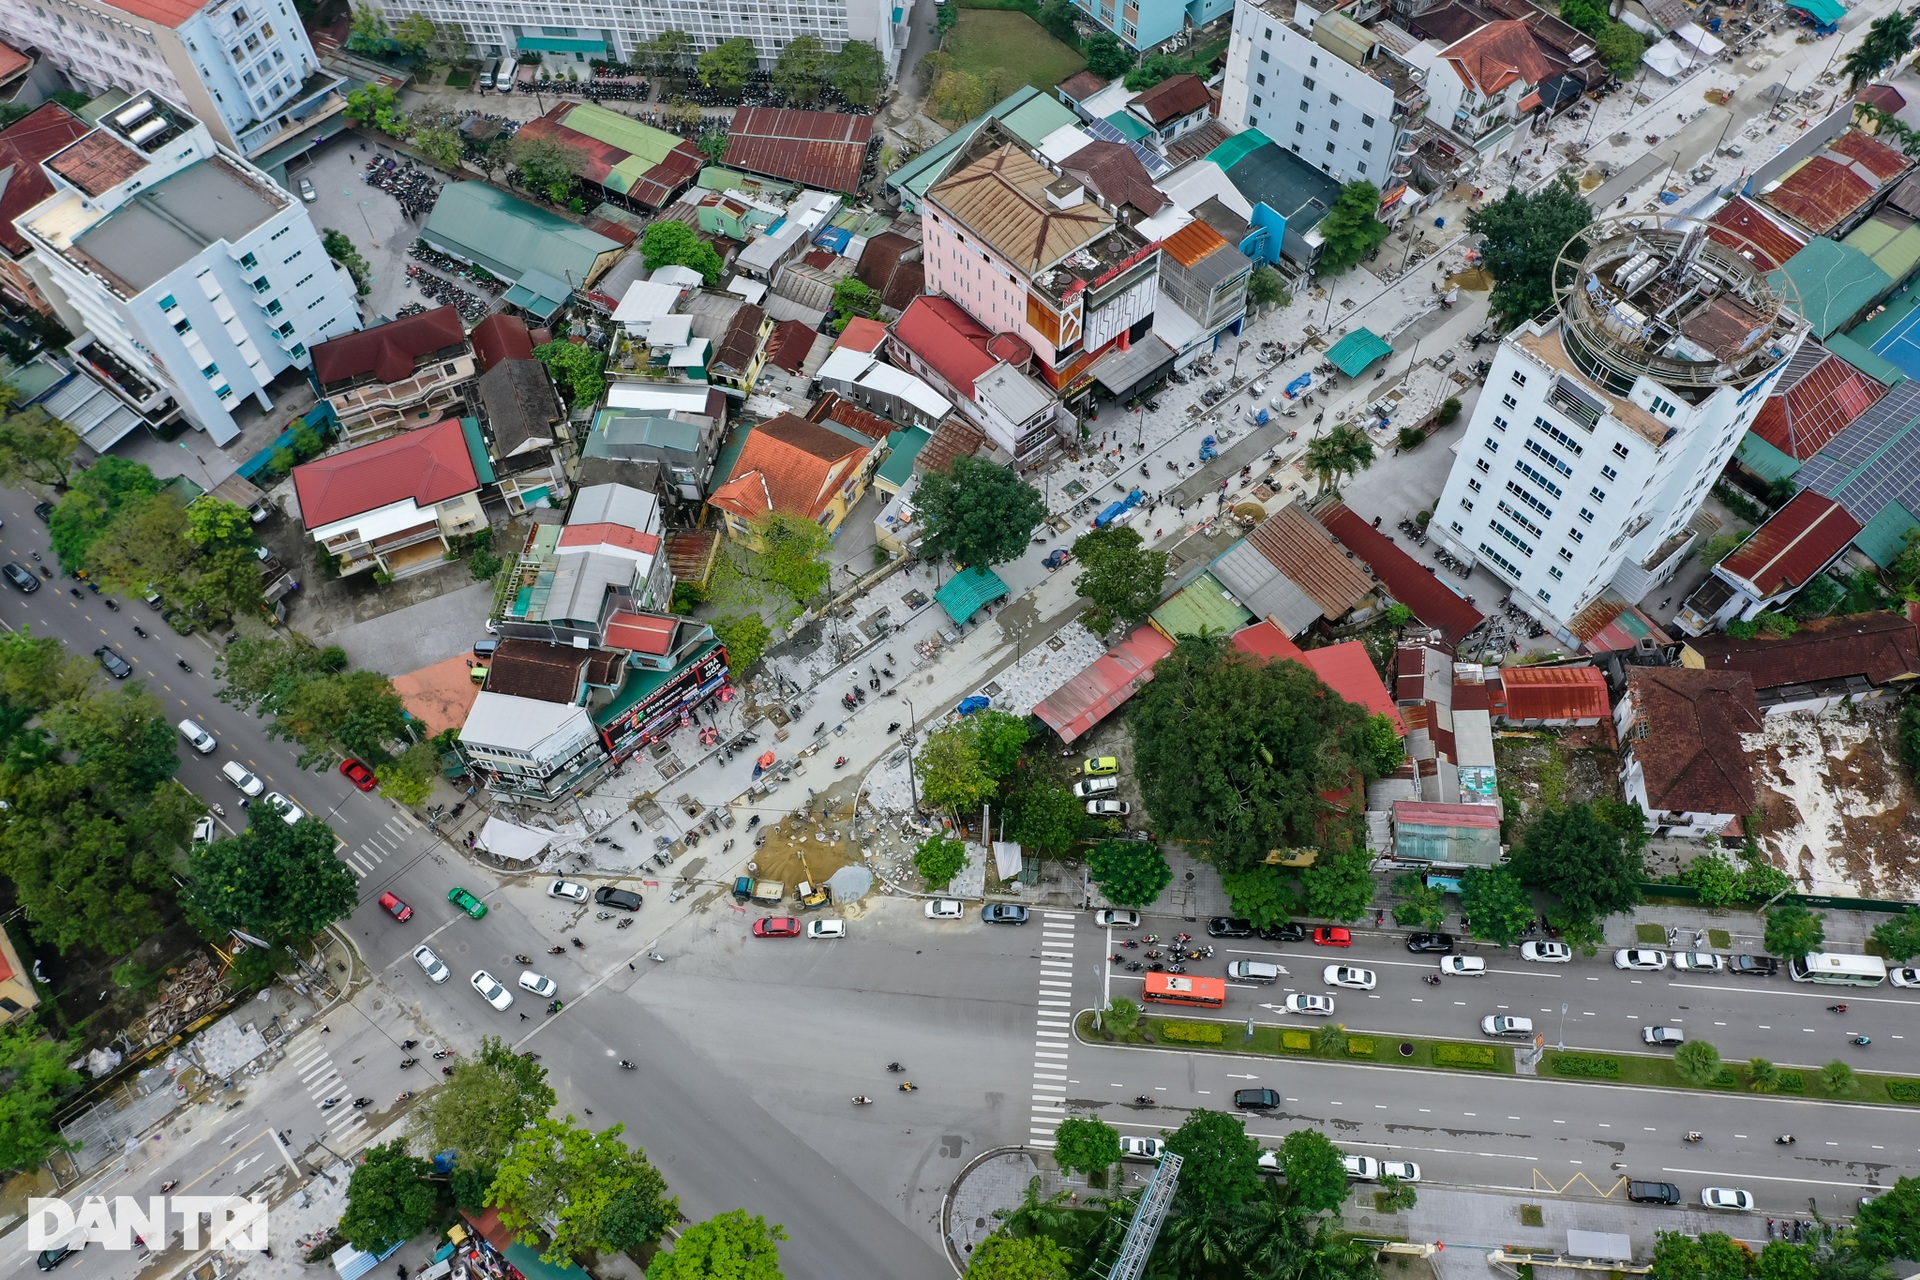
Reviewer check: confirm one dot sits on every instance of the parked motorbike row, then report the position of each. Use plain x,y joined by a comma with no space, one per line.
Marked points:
1413,530
472,308
1452,564
617,88
406,182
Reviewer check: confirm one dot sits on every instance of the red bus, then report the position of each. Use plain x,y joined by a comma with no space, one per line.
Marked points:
1172,988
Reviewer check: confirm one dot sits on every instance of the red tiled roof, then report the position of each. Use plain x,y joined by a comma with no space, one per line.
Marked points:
1080,85
1555,693
1820,194
1873,155
1795,543
1432,601
862,334
652,190
940,332
610,535
23,145
1172,98
12,61
388,351
1432,813
1881,647
953,438
429,465
1104,687
822,149
1113,171
831,408
1193,243
168,13
1496,55
886,268
641,632
501,337
790,343
1800,417
788,465
1686,736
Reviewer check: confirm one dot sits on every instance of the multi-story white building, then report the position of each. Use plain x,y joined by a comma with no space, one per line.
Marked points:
1322,85
186,262
243,67
1600,428
579,33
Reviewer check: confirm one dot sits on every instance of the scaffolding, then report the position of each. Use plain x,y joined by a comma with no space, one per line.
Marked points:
1144,1231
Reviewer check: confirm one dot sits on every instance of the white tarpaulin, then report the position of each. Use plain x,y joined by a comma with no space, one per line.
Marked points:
1672,60
1691,35
511,840
1006,858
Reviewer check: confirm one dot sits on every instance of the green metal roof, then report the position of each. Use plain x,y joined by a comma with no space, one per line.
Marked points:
916,175
1238,148
904,447
1038,116
477,450
510,237
538,294
1202,607
1826,12
1357,350
1895,250
558,44
1850,348
1765,461
1885,536
967,591
1835,282
641,141
1129,125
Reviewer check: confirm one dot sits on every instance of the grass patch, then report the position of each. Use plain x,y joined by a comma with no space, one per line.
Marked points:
1531,1216
1651,934
1904,1090
1029,7
986,39
1719,939
460,78
1359,1047
1297,1042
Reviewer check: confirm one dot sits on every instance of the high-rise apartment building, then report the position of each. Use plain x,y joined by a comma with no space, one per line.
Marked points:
1600,428
186,263
1146,24
243,67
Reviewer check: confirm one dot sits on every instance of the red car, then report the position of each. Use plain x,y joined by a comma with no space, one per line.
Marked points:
1332,936
776,927
358,774
397,909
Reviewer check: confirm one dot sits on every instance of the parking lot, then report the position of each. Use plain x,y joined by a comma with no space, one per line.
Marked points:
367,215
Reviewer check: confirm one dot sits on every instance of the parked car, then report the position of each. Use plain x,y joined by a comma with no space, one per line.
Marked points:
1332,935
20,577
625,899
1653,1192
571,890
1905,976
358,774
1697,961
1311,1006
538,983
429,962
1108,808
1640,959
307,192
466,902
1546,952
1288,932
1754,966
776,927
1340,975
1400,1170
1726,1198
289,812
117,667
1101,766
44,510
1663,1037
1463,966
1430,942
946,909
1256,1099
1091,787
1362,1168
1132,1148
490,991
203,830
394,907
826,928
1505,1024
1229,927
1108,918
1003,913
233,771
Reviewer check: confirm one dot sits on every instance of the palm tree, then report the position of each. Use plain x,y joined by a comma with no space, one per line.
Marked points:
1036,1216
1200,1241
1888,39
1342,452
1271,1236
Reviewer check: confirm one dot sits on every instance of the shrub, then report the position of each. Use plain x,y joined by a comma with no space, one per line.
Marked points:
1410,438
1586,1066
1359,1047
1725,1080
1791,1082
1192,1032
1297,1041
1904,1090
1464,1055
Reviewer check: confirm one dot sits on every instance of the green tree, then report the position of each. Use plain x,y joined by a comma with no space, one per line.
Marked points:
1046,818
1899,937
1523,236
725,67
1154,68
1122,1017
713,145
667,53
1060,19
1085,1144
1342,453
579,1190
576,367
1004,1257
389,1198
727,1246
340,248
787,554
1265,288
952,774
482,1107
1315,1170
547,166
1499,906
1339,886
746,638
1351,228
957,95
98,494
1119,575
38,1077
1220,1164
852,298
1793,931
1131,873
369,33
857,72
801,69
1397,1196
1762,1075
1782,1260
1717,879
374,106
442,146
1106,56
998,736
1329,1039
35,447
1697,1062
1620,47
1888,1226
281,881
978,513
1262,894
1384,744
1720,546
1889,38
1837,1079
669,243
939,860
1421,905
1817,599
1714,1256
124,733
1239,754
1582,860
1585,15
414,34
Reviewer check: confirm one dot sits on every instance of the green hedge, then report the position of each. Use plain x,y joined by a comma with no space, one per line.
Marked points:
1297,1041
1791,1082
1192,1032
1359,1047
1586,1066
1480,1056
1904,1090
1725,1080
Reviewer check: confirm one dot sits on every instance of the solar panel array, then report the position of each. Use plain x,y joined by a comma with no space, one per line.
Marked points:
1875,461
1155,163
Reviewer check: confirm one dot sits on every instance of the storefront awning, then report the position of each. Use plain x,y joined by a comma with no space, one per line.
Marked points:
558,44
1824,12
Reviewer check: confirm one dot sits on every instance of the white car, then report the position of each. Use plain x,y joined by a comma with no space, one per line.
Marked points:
1640,959
1312,1006
1463,966
1365,1168
235,773
946,909
1269,1162
1546,952
1340,975
430,964
307,192
1904,977
1726,1198
1111,919
1108,808
1698,961
571,890
826,928
289,812
203,830
1404,1170
490,991
1141,1148
538,983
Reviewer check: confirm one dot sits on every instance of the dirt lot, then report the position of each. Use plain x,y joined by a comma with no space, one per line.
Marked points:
1839,808
1524,761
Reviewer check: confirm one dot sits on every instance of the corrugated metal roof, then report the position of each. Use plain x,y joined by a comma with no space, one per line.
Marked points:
1834,283
1202,607
1884,537
1104,687
1555,693
1265,591
1432,601
1817,395
1821,194
823,149
1747,229
1301,548
510,237
1002,198
1892,241
1797,542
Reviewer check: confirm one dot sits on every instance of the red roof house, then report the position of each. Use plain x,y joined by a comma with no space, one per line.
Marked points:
1498,54
501,337
1817,397
862,334
1551,695
386,351
428,466
1346,668
794,467
949,341
1751,232
1796,542
23,145
1104,687
1406,579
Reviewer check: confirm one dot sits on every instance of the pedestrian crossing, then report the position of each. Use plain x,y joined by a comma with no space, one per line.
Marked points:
346,1131
1053,1032
367,856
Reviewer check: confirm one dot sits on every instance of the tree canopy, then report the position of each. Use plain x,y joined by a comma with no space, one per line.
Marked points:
1889,38
277,880
978,513
1585,862
858,73
1119,575
1352,228
1523,236
38,1078
801,69
727,1246
389,1198
1131,873
1315,1170
668,243
1219,1163
1086,1144
725,67
1793,931
572,1190
1106,56
485,1103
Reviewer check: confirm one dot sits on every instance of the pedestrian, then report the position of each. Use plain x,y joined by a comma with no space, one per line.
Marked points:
588,1110
523,1017
326,1030
629,965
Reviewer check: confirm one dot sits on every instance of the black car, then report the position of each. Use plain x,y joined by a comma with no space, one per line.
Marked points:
1003,913
1653,1193
117,667
20,577
1229,927
1256,1099
1754,966
625,899
1440,942
1288,932
44,510
48,1259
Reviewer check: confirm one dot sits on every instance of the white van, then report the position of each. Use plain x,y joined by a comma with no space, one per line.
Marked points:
1254,971
485,81
239,777
1092,787
503,76
202,740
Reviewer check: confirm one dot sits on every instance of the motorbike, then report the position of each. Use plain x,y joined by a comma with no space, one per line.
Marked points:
908,1086
556,951
408,1044
1836,1008
555,1006
140,631
579,944
407,1062
862,1100
1694,1136
113,605
1432,979
524,959
1862,1040
404,1096
442,1053
1784,1140
840,762
895,1067
1142,1100
626,1066
656,957
185,666
330,1104
362,1102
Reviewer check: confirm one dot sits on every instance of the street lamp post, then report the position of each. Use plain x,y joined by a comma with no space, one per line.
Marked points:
1563,1025
907,739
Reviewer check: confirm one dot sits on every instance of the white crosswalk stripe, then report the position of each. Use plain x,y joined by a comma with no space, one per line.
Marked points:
1053,1024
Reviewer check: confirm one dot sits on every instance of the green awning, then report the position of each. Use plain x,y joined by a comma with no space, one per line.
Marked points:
1353,353
1825,12
967,592
559,44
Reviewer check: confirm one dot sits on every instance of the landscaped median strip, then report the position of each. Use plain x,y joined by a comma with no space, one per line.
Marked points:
1483,1056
